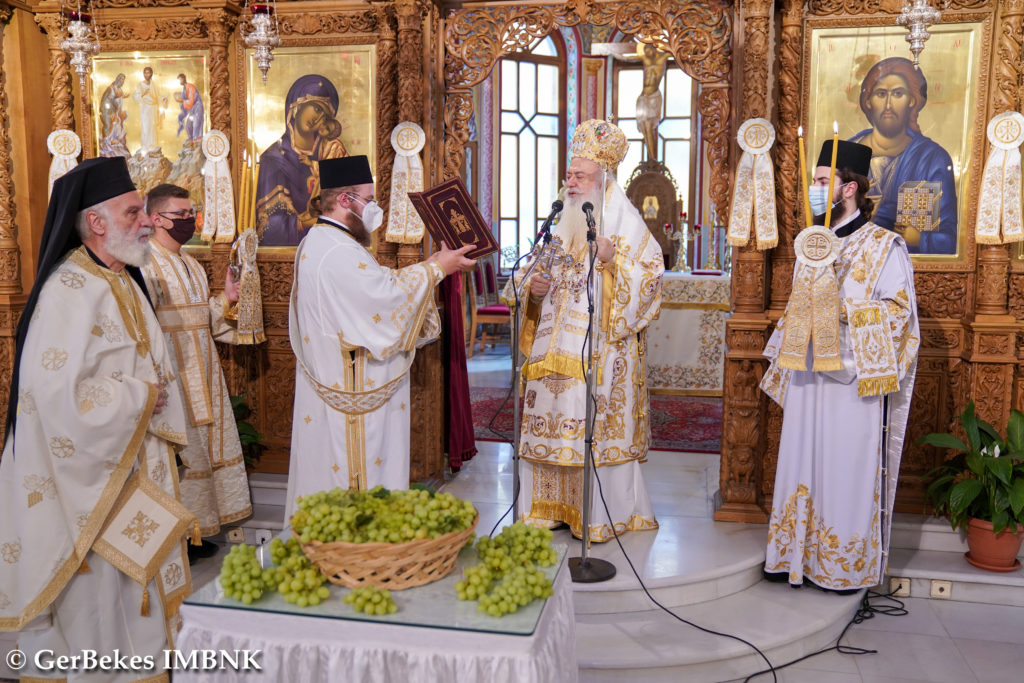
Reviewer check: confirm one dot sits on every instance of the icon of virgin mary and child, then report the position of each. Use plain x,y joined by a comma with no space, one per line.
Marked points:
288,171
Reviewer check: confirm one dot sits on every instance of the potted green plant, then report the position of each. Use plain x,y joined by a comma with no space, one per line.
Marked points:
981,488
251,439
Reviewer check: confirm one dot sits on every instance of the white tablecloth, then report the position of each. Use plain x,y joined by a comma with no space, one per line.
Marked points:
686,344
308,649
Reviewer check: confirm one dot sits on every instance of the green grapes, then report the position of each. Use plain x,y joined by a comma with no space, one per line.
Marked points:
379,516
508,576
241,576
297,580
371,600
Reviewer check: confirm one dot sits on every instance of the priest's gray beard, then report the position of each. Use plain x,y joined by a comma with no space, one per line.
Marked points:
125,248
572,225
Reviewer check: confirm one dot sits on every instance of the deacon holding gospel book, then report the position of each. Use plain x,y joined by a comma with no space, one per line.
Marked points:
355,327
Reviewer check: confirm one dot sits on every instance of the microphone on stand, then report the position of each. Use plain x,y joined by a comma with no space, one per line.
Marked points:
588,209
545,228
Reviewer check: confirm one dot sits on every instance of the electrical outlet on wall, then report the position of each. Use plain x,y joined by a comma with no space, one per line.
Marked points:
942,590
899,586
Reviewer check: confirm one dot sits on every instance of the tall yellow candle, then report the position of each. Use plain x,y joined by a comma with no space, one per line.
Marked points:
242,181
832,173
808,216
255,198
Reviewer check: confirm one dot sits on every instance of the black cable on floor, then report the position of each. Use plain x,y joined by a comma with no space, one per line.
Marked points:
866,611
586,533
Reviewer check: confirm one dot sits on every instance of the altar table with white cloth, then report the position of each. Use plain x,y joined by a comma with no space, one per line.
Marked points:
296,647
686,344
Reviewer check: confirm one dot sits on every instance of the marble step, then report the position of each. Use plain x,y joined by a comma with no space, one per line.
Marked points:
921,532
967,582
268,489
652,646
686,561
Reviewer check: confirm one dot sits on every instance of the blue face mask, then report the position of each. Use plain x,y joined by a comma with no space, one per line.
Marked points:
818,195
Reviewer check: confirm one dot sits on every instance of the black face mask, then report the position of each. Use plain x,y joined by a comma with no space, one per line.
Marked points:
182,229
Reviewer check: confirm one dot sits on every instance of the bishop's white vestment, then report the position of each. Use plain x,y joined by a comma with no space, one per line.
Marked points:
354,327
214,486
90,372
836,475
554,412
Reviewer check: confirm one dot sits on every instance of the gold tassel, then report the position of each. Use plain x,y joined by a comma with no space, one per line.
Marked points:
84,567
862,317
197,539
145,602
877,386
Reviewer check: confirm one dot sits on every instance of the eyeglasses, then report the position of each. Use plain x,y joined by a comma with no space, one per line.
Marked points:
364,200
184,213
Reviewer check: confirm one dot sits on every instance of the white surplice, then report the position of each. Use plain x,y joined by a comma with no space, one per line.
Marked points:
552,433
836,475
354,327
88,384
214,486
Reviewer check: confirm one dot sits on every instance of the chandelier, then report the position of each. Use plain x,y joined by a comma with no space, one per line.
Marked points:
917,17
82,42
265,35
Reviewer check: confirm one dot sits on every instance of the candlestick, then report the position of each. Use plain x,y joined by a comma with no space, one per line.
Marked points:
832,174
808,216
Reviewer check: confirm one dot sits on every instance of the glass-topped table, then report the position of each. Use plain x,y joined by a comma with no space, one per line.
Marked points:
432,637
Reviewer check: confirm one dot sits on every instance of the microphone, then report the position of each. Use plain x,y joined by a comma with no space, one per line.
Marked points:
545,228
588,209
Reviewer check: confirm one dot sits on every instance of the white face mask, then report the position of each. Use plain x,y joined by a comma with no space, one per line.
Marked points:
373,215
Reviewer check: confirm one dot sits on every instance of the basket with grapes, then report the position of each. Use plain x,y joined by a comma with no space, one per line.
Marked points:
393,539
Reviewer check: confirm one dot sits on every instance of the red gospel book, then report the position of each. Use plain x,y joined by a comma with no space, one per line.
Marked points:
451,216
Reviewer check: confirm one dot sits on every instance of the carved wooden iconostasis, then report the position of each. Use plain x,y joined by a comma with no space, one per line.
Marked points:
402,37
750,59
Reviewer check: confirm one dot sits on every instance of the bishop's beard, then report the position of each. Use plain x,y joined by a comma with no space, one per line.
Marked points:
572,224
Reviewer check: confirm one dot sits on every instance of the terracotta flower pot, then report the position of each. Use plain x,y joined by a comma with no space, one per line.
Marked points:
995,552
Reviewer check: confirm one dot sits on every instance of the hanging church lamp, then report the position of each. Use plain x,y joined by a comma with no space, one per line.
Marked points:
917,17
265,35
81,42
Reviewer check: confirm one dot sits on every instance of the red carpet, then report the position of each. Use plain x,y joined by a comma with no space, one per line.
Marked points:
678,423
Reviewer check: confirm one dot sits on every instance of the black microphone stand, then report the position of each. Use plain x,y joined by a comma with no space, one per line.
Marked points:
585,569
543,239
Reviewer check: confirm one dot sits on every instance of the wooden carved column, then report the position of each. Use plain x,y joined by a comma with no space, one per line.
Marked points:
61,104
744,405
428,398
11,299
789,203
387,119
411,69
991,347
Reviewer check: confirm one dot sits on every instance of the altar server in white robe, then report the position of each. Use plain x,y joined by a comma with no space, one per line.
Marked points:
90,406
214,486
837,468
355,326
554,325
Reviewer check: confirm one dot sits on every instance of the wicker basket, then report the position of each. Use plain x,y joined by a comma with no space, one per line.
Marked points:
395,566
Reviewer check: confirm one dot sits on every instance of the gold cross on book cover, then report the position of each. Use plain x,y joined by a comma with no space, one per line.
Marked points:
451,216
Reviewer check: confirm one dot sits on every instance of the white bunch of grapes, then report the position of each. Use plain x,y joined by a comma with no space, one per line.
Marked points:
241,576
507,577
371,600
379,516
